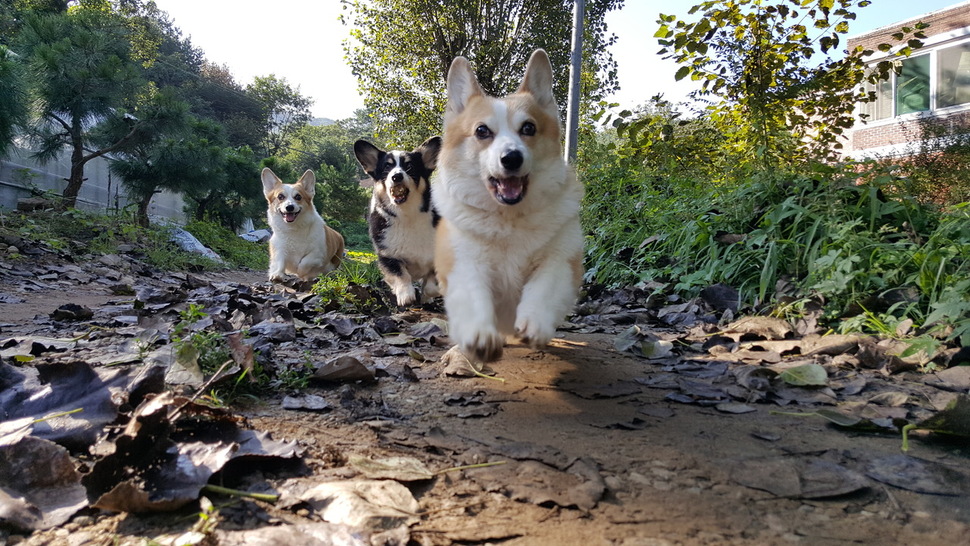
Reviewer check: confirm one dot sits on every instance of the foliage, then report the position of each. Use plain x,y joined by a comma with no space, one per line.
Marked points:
842,234
169,60
13,99
222,99
328,151
219,182
195,339
346,287
400,52
777,108
237,251
79,233
83,76
178,161
746,193
284,110
937,162
236,198
211,347
356,236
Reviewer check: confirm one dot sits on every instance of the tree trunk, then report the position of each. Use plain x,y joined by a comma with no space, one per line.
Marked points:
141,215
78,160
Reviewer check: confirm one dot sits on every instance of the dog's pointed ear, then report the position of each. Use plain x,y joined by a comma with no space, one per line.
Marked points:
462,85
309,183
429,152
367,155
538,79
270,180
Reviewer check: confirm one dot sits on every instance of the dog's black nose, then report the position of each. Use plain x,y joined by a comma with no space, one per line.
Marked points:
397,177
512,160
289,208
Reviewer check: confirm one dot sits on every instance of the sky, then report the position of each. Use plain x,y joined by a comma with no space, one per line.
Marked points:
301,41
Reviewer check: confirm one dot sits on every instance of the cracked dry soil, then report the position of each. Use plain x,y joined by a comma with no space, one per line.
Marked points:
590,455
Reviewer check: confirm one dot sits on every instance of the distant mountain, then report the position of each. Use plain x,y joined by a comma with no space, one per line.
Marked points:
321,121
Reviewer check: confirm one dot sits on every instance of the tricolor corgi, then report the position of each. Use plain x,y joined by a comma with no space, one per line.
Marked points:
302,244
509,246
401,221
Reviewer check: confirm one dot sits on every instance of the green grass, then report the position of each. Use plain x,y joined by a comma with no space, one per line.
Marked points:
76,232
845,236
354,286
237,251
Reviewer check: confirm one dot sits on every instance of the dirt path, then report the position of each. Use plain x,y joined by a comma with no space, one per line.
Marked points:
589,447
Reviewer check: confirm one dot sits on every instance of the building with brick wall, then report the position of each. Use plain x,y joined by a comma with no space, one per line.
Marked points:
932,84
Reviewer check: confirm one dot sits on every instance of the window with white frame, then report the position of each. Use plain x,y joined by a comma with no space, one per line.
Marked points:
936,79
953,75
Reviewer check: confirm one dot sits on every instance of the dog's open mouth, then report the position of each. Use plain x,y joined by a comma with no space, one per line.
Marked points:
509,191
289,216
399,193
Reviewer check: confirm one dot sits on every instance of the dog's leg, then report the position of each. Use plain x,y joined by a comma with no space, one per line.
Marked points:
397,277
546,299
550,293
430,289
311,266
471,311
276,264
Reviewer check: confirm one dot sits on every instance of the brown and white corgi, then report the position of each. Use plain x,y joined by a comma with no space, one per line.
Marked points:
302,244
509,246
401,220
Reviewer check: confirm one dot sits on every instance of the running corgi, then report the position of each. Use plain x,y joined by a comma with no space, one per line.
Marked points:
401,221
302,244
509,246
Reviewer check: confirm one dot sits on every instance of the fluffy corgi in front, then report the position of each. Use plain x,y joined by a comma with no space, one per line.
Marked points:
302,244
401,221
509,246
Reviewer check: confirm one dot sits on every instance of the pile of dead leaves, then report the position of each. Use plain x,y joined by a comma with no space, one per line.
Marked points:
102,407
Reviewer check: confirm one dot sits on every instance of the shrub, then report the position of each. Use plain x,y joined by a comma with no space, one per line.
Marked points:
235,250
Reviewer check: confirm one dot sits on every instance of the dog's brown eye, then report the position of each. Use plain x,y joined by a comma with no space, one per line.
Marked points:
281,197
528,128
298,197
483,132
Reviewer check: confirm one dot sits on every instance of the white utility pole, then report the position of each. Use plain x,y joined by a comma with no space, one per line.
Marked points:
575,68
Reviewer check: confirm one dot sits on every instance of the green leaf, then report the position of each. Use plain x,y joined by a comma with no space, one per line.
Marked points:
682,73
807,375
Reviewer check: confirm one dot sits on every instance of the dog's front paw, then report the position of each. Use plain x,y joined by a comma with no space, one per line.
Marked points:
405,295
484,346
535,332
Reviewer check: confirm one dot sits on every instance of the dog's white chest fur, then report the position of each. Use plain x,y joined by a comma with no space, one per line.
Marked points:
410,233
293,242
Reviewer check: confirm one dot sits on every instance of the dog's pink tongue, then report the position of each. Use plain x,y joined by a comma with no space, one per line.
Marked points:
289,216
509,190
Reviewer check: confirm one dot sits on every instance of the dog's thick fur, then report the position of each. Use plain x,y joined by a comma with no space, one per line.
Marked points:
302,244
509,246
401,221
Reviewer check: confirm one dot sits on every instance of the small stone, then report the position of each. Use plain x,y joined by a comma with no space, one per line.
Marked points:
72,311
